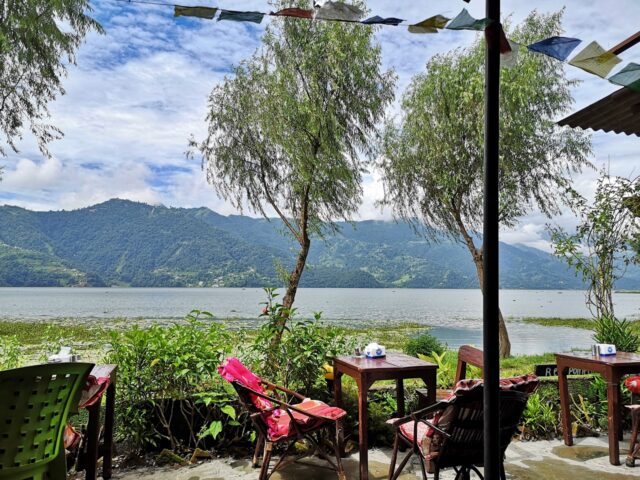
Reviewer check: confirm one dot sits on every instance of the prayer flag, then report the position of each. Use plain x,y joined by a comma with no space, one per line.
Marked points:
382,21
509,58
339,11
594,59
464,21
556,47
255,17
628,77
293,12
200,12
496,29
430,25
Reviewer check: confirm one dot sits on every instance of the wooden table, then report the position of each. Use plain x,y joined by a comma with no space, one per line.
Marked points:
366,371
93,426
612,368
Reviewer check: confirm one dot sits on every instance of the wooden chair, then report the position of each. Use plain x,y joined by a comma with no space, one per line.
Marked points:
280,423
467,355
450,433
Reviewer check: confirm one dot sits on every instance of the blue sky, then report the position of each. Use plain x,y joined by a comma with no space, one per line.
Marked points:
140,91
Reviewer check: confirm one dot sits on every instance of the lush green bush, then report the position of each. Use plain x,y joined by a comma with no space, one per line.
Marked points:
608,329
305,346
424,344
10,354
169,391
540,418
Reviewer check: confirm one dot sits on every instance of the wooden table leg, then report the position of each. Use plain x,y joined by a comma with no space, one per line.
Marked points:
400,396
93,431
363,411
565,413
613,395
109,415
431,382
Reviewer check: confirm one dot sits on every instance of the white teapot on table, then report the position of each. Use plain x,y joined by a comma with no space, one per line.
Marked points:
373,350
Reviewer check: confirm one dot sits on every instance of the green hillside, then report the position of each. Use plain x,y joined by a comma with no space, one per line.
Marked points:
133,244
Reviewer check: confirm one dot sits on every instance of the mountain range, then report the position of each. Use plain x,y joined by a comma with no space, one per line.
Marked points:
124,243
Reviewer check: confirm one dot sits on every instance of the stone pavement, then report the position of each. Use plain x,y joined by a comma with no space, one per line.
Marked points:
548,460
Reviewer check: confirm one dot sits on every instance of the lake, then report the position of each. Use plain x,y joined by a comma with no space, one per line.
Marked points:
455,315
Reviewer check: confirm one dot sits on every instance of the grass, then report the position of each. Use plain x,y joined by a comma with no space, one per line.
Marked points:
520,364
38,338
393,336
584,323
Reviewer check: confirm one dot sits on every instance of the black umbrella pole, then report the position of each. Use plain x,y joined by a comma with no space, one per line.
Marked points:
492,460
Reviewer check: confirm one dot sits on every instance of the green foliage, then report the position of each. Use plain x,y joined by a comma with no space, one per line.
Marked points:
620,333
306,345
10,352
424,344
540,418
38,40
288,129
598,250
432,159
168,387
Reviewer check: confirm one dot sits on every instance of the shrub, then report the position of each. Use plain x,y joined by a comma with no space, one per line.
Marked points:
608,329
305,346
10,354
169,391
540,418
424,344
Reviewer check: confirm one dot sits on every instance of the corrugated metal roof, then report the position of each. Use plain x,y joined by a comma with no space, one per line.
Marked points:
618,112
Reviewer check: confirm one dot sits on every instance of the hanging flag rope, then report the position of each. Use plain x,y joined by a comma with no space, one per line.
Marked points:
592,59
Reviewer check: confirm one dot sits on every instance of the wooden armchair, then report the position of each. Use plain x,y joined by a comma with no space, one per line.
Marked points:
279,422
450,433
467,355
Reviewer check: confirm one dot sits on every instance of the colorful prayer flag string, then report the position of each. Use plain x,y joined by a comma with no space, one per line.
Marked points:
593,58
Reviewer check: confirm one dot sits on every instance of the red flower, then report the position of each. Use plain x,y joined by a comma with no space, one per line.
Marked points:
265,311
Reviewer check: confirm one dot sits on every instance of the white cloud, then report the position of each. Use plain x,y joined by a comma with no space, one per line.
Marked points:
139,92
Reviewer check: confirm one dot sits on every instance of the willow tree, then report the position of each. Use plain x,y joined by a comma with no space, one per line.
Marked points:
291,130
38,39
432,159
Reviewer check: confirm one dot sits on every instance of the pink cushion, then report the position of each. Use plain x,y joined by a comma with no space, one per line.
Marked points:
280,422
233,370
277,420
407,431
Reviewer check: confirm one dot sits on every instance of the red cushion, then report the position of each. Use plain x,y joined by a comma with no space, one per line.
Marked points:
633,384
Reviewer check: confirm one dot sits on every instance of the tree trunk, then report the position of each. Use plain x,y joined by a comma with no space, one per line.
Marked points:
292,287
296,274
505,343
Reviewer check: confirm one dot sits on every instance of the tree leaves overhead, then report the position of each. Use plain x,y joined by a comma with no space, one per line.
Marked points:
38,38
433,158
288,128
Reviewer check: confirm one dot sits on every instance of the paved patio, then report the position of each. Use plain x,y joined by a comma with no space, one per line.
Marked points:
549,460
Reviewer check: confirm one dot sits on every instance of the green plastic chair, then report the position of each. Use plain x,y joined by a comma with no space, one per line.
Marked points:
34,405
